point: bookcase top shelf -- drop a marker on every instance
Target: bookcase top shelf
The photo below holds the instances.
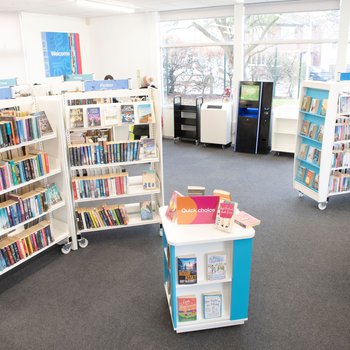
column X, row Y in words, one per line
column 178, row 235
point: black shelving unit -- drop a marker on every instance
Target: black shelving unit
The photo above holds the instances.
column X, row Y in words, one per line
column 187, row 120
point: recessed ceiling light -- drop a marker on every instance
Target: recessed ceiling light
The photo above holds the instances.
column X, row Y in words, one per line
column 104, row 6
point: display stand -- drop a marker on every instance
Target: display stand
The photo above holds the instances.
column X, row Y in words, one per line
column 181, row 240
column 317, row 164
column 284, row 134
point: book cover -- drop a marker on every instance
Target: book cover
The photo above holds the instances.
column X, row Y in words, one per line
column 187, row 308
column 310, row 154
column 187, row 269
column 110, row 115
column 149, row 148
column 216, row 266
column 315, row 102
column 309, row 178
column 344, row 104
column 320, row 132
column 127, row 113
column 44, row 124
column 313, row 130
column 224, row 216
column 76, row 117
column 212, row 305
column 305, row 128
column 146, row 210
column 144, row 113
column 171, row 210
column 305, row 106
column 316, row 181
column 197, row 209
column 324, row 104
column 317, row 157
column 93, row 116
column 303, row 151
column 196, row 190
column 301, row 173
column 149, row 181
column 246, row 220
column 222, row 194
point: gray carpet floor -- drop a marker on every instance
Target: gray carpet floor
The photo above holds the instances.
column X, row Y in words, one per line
column 110, row 295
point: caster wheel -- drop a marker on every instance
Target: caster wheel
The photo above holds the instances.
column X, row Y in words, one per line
column 223, row 147
column 197, row 142
column 322, row 205
column 161, row 232
column 204, row 145
column 83, row 243
column 66, row 249
column 301, row 195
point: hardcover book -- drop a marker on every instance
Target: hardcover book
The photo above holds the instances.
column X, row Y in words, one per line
column 246, row 220
column 44, row 124
column 216, row 266
column 146, row 210
column 224, row 216
column 187, row 269
column 93, row 116
column 212, row 305
column 76, row 116
column 144, row 113
column 305, row 128
column 127, row 113
column 187, row 308
column 314, row 105
column 171, row 210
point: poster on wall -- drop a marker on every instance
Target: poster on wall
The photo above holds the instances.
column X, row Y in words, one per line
column 61, row 53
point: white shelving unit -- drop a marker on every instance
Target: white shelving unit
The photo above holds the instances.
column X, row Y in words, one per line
column 319, row 187
column 120, row 133
column 284, row 134
column 199, row 240
column 60, row 214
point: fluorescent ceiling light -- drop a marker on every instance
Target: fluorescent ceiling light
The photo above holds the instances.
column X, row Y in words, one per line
column 104, row 6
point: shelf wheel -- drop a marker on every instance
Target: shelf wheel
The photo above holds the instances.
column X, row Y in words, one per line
column 301, row 194
column 83, row 242
column 204, row 145
column 223, row 146
column 65, row 249
column 197, row 142
column 322, row 205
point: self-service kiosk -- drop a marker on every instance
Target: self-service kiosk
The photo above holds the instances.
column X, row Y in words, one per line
column 254, row 115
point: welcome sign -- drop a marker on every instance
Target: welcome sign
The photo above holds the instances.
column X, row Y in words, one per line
column 197, row 209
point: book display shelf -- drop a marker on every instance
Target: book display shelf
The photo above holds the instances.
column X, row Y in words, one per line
column 217, row 294
column 113, row 176
column 35, row 210
column 322, row 154
column 284, row 134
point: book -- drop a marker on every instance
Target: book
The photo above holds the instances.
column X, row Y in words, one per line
column 144, row 114
column 305, row 106
column 171, row 210
column 323, row 110
column 224, row 216
column 315, row 102
column 110, row 115
column 317, row 157
column 196, row 190
column 212, row 305
column 305, row 128
column 76, row 117
column 309, row 177
column 216, row 266
column 222, row 194
column 149, row 148
column 344, row 104
column 44, row 124
column 310, row 154
column 187, row 308
column 316, row 181
column 93, row 116
column 187, row 269
column 303, row 151
column 149, row 180
column 319, row 136
column 246, row 220
column 146, row 210
column 313, row 130
column 301, row 173
column 127, row 113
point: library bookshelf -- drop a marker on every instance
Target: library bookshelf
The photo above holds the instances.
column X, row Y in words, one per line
column 107, row 163
column 284, row 133
column 200, row 240
column 321, row 165
column 20, row 220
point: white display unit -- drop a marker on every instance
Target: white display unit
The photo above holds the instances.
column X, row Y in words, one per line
column 60, row 214
column 284, row 133
column 319, row 186
column 199, row 240
column 119, row 132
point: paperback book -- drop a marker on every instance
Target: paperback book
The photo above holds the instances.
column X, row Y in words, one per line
column 76, row 116
column 344, row 104
column 149, row 148
column 320, row 132
column 110, row 115
column 149, row 181
column 224, row 216
column 314, row 105
column 303, row 151
column 224, row 195
column 93, row 116
column 171, row 210
column 309, row 178
column 305, row 128
column 301, row 173
column 144, row 113
column 216, row 266
column 187, row 308
column 246, row 220
column 44, row 124
column 212, row 305
column 127, row 113
column 305, row 106
column 323, row 110
column 187, row 269
column 313, row 130
column 146, row 210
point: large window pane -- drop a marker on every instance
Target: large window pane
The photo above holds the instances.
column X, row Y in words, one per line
column 292, row 26
column 197, row 71
column 197, row 31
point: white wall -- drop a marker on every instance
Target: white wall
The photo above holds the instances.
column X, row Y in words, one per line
column 11, row 51
column 121, row 45
column 33, row 24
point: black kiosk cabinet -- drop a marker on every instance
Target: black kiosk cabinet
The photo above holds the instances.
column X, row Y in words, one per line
column 254, row 114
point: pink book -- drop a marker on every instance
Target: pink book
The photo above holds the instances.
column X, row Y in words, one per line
column 171, row 210
column 246, row 220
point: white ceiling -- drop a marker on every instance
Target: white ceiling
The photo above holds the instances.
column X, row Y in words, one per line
column 70, row 8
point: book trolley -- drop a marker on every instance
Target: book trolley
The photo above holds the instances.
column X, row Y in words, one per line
column 203, row 239
column 322, row 153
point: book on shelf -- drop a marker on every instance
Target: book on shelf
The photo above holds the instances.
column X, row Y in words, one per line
column 344, row 104
column 212, row 304
column 76, row 118
column 144, row 112
column 310, row 154
column 315, row 103
column 323, row 110
column 187, row 308
column 309, row 177
column 313, row 130
column 316, row 157
column 246, row 220
column 53, row 194
column 196, row 190
column 301, row 172
column 110, row 115
column 149, row 148
column 127, row 113
column 222, row 194
column 319, row 136
column 187, row 269
column 171, row 209
column 146, row 212
column 305, row 128
column 303, row 151
column 315, row 184
column 225, row 215
column 149, row 180
column 305, row 106
column 216, row 266
column 44, row 123
column 93, row 116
